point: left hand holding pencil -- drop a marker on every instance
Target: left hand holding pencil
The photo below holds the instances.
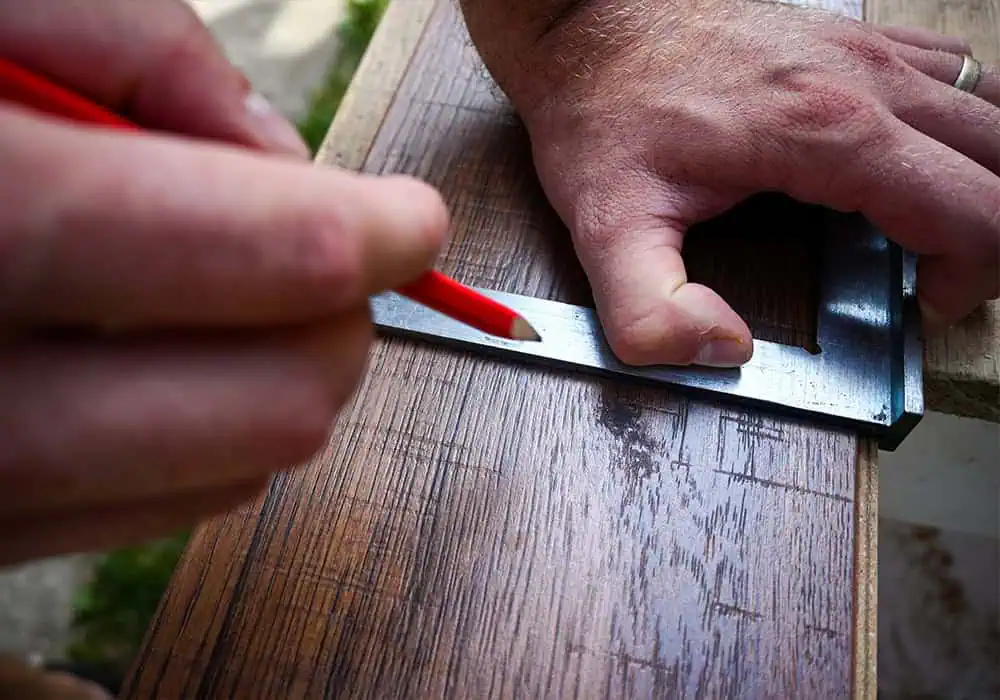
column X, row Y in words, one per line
column 215, row 283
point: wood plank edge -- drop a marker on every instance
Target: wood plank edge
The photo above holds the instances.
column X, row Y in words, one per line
column 963, row 396
column 865, row 648
column 373, row 87
column 213, row 529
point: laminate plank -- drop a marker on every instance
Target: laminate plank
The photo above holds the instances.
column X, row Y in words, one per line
column 477, row 528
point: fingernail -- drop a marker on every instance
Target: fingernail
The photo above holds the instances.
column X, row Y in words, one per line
column 723, row 353
column 272, row 129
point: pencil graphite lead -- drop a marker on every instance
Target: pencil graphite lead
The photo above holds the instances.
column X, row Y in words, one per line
column 522, row 330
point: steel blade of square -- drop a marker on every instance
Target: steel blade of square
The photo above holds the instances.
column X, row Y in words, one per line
column 866, row 376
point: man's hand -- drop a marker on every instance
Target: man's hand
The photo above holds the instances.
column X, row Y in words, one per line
column 181, row 313
column 647, row 118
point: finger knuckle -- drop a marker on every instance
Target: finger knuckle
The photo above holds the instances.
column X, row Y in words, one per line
column 307, row 429
column 872, row 50
column 831, row 114
column 336, row 357
column 308, row 438
column 632, row 343
column 835, row 128
column 650, row 338
column 837, row 110
column 183, row 33
column 324, row 259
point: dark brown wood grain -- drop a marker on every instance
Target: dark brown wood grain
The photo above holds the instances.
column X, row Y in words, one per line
column 481, row 529
column 763, row 258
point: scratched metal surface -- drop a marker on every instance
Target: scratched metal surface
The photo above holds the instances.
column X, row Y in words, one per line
column 867, row 373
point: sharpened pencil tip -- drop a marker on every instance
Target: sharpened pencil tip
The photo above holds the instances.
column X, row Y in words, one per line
column 522, row 330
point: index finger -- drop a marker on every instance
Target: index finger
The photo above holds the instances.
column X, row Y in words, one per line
column 154, row 61
column 143, row 230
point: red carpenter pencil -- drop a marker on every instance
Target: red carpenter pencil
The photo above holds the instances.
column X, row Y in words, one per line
column 23, row 87
column 463, row 304
column 433, row 289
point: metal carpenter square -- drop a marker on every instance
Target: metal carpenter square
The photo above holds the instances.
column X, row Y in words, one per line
column 867, row 375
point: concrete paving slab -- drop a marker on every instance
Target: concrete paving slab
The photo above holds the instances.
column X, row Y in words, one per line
column 36, row 605
column 283, row 46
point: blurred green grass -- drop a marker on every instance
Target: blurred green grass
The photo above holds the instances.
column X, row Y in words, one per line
column 113, row 611
column 356, row 31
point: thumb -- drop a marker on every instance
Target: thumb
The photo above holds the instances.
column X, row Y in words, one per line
column 153, row 61
column 651, row 314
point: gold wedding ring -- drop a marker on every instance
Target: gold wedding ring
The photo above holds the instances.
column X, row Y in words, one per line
column 968, row 77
